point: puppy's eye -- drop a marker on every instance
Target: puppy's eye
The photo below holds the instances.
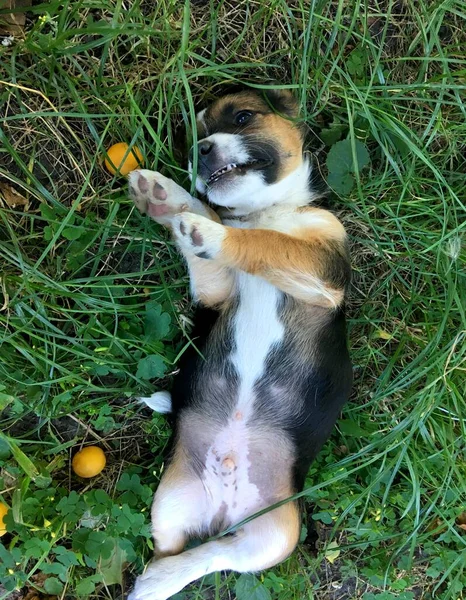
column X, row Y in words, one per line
column 243, row 117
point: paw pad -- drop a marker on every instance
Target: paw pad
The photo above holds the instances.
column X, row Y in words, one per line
column 143, row 184
column 158, row 192
column 196, row 237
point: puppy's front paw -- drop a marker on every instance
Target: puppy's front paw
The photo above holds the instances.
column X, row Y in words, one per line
column 198, row 235
column 158, row 196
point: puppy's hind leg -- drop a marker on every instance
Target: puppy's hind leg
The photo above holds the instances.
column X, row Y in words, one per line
column 180, row 507
column 260, row 544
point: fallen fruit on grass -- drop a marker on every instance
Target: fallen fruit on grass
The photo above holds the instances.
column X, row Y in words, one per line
column 3, row 511
column 120, row 159
column 89, row 461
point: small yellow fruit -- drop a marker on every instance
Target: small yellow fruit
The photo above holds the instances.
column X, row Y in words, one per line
column 89, row 461
column 116, row 160
column 3, row 511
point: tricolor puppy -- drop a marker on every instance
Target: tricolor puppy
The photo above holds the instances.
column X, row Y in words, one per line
column 255, row 405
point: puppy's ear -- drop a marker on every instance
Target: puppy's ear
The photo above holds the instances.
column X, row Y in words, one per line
column 282, row 102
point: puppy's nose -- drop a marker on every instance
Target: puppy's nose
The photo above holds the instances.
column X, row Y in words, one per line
column 205, row 147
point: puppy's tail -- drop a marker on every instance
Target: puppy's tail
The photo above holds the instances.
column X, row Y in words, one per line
column 161, row 402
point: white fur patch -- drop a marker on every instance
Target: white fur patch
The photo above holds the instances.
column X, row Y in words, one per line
column 196, row 234
column 160, row 402
column 250, row 193
column 257, row 330
column 230, row 149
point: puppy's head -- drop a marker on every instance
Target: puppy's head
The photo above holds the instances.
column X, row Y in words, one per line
column 247, row 142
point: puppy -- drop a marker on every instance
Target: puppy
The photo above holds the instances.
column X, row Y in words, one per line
column 257, row 400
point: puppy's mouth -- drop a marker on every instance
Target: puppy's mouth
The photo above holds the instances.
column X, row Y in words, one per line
column 255, row 164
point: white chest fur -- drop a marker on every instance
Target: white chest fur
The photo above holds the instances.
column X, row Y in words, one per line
column 257, row 330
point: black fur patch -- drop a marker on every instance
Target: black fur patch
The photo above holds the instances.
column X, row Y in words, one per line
column 203, row 255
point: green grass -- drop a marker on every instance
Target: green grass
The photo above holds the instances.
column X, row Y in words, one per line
column 95, row 308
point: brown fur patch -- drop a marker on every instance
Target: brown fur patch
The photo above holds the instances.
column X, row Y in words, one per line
column 246, row 100
column 303, row 268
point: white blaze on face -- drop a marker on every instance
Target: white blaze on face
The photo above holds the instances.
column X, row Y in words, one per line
column 229, row 150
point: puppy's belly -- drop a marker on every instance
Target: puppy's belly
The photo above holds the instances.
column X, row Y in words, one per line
column 246, row 469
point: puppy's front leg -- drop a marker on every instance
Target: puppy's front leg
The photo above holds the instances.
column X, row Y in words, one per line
column 313, row 267
column 162, row 199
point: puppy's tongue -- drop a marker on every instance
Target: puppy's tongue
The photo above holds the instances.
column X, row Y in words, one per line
column 157, row 210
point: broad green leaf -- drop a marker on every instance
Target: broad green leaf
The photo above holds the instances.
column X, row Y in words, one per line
column 35, row 548
column 48, row 233
column 323, row 516
column 156, row 323
column 47, row 212
column 87, row 585
column 128, row 549
column 99, row 545
column 150, row 367
column 71, row 507
column 130, row 482
column 5, row 451
column 5, row 400
column 340, row 158
column 341, row 183
column 349, row 427
column 248, row 587
column 432, row 572
column 66, row 557
column 332, row 134
column 55, row 568
column 73, row 233
column 53, row 586
column 6, row 558
column 127, row 520
column 79, row 539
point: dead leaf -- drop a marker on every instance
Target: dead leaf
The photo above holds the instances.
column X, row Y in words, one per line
column 11, row 196
column 383, row 335
column 461, row 521
column 332, row 552
column 13, row 22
